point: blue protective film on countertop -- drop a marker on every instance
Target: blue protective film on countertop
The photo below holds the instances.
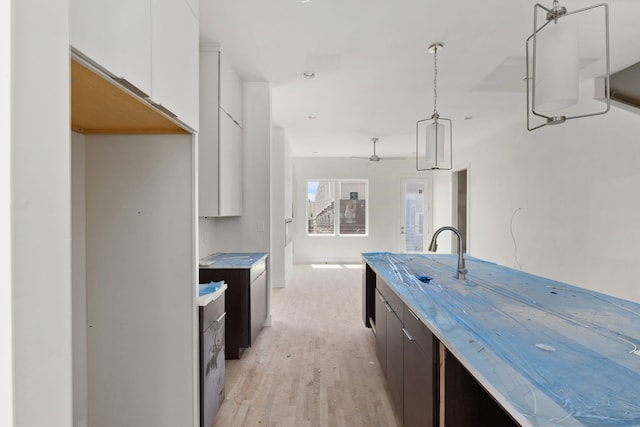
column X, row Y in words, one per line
column 549, row 352
column 207, row 288
column 232, row 260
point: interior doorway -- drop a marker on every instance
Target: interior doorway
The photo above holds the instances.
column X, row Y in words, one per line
column 415, row 215
column 460, row 209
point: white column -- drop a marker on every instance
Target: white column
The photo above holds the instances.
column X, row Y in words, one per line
column 41, row 214
column 6, row 343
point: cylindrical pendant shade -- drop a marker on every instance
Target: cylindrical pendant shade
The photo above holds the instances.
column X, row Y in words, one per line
column 556, row 73
column 435, row 143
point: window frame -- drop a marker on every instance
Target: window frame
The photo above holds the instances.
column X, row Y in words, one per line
column 337, row 188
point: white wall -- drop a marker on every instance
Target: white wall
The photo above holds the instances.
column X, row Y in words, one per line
column 277, row 251
column 41, row 212
column 141, row 276
column 384, row 209
column 79, row 279
column 570, row 194
column 288, row 208
column 6, row 321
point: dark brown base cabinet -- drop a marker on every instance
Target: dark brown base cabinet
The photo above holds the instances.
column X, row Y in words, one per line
column 467, row 402
column 409, row 369
column 245, row 304
column 409, row 357
column 420, row 373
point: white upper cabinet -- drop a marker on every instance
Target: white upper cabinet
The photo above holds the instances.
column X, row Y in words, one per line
column 115, row 34
column 231, row 91
column 174, row 55
column 231, row 165
column 152, row 44
column 220, row 139
column 195, row 7
column 208, row 156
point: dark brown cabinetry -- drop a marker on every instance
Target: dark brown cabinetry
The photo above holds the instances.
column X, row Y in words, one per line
column 467, row 402
column 246, row 303
column 420, row 373
column 394, row 314
column 410, row 358
column 380, row 329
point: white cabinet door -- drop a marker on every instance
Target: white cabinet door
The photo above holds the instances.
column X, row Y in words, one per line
column 231, row 92
column 174, row 59
column 208, row 135
column 116, row 34
column 230, row 175
column 195, row 7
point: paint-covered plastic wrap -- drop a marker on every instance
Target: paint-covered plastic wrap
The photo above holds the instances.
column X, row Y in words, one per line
column 232, row 260
column 550, row 353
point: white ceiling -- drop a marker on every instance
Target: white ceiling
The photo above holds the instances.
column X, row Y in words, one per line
column 375, row 77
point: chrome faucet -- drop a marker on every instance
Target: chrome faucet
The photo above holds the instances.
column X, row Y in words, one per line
column 462, row 270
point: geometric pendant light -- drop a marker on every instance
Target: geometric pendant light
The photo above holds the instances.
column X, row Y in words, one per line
column 553, row 63
column 433, row 135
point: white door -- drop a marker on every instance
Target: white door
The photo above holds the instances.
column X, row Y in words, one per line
column 415, row 214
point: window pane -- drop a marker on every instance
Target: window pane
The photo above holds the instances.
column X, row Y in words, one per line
column 414, row 216
column 353, row 207
column 321, row 207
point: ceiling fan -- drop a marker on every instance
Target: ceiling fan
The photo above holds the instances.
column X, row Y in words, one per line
column 374, row 157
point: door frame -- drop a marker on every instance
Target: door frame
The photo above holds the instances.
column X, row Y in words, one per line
column 428, row 217
column 454, row 206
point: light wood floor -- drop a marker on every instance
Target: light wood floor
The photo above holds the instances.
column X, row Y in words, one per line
column 316, row 365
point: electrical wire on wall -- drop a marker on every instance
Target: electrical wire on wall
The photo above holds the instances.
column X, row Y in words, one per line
column 513, row 236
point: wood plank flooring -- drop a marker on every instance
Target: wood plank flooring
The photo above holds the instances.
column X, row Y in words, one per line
column 316, row 365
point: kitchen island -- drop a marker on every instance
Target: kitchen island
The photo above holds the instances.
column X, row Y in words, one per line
column 537, row 351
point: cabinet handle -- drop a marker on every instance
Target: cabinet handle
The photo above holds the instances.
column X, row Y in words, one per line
column 130, row 87
column 382, row 298
column 219, row 319
column 407, row 334
column 389, row 309
column 413, row 314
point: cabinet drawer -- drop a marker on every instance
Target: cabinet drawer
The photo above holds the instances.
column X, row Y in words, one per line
column 394, row 301
column 257, row 270
column 420, row 333
column 211, row 312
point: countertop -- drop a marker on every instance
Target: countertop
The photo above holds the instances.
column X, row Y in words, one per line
column 232, row 259
column 550, row 353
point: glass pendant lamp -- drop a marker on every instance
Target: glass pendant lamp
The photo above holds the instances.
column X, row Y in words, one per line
column 433, row 135
column 553, row 64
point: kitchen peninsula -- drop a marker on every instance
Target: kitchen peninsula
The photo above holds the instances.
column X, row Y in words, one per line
column 511, row 347
column 246, row 297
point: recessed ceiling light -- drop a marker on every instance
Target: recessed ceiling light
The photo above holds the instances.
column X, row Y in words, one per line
column 468, row 118
column 304, row 1
column 312, row 117
column 309, row 75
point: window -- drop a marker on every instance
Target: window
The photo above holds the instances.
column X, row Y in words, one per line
column 350, row 199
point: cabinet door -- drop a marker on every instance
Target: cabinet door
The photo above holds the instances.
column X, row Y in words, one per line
column 395, row 361
column 174, row 65
column 258, row 305
column 115, row 34
column 230, row 175
column 419, row 384
column 208, row 136
column 231, row 90
column 381, row 331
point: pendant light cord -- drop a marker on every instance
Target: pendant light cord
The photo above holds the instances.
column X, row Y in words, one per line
column 435, row 82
